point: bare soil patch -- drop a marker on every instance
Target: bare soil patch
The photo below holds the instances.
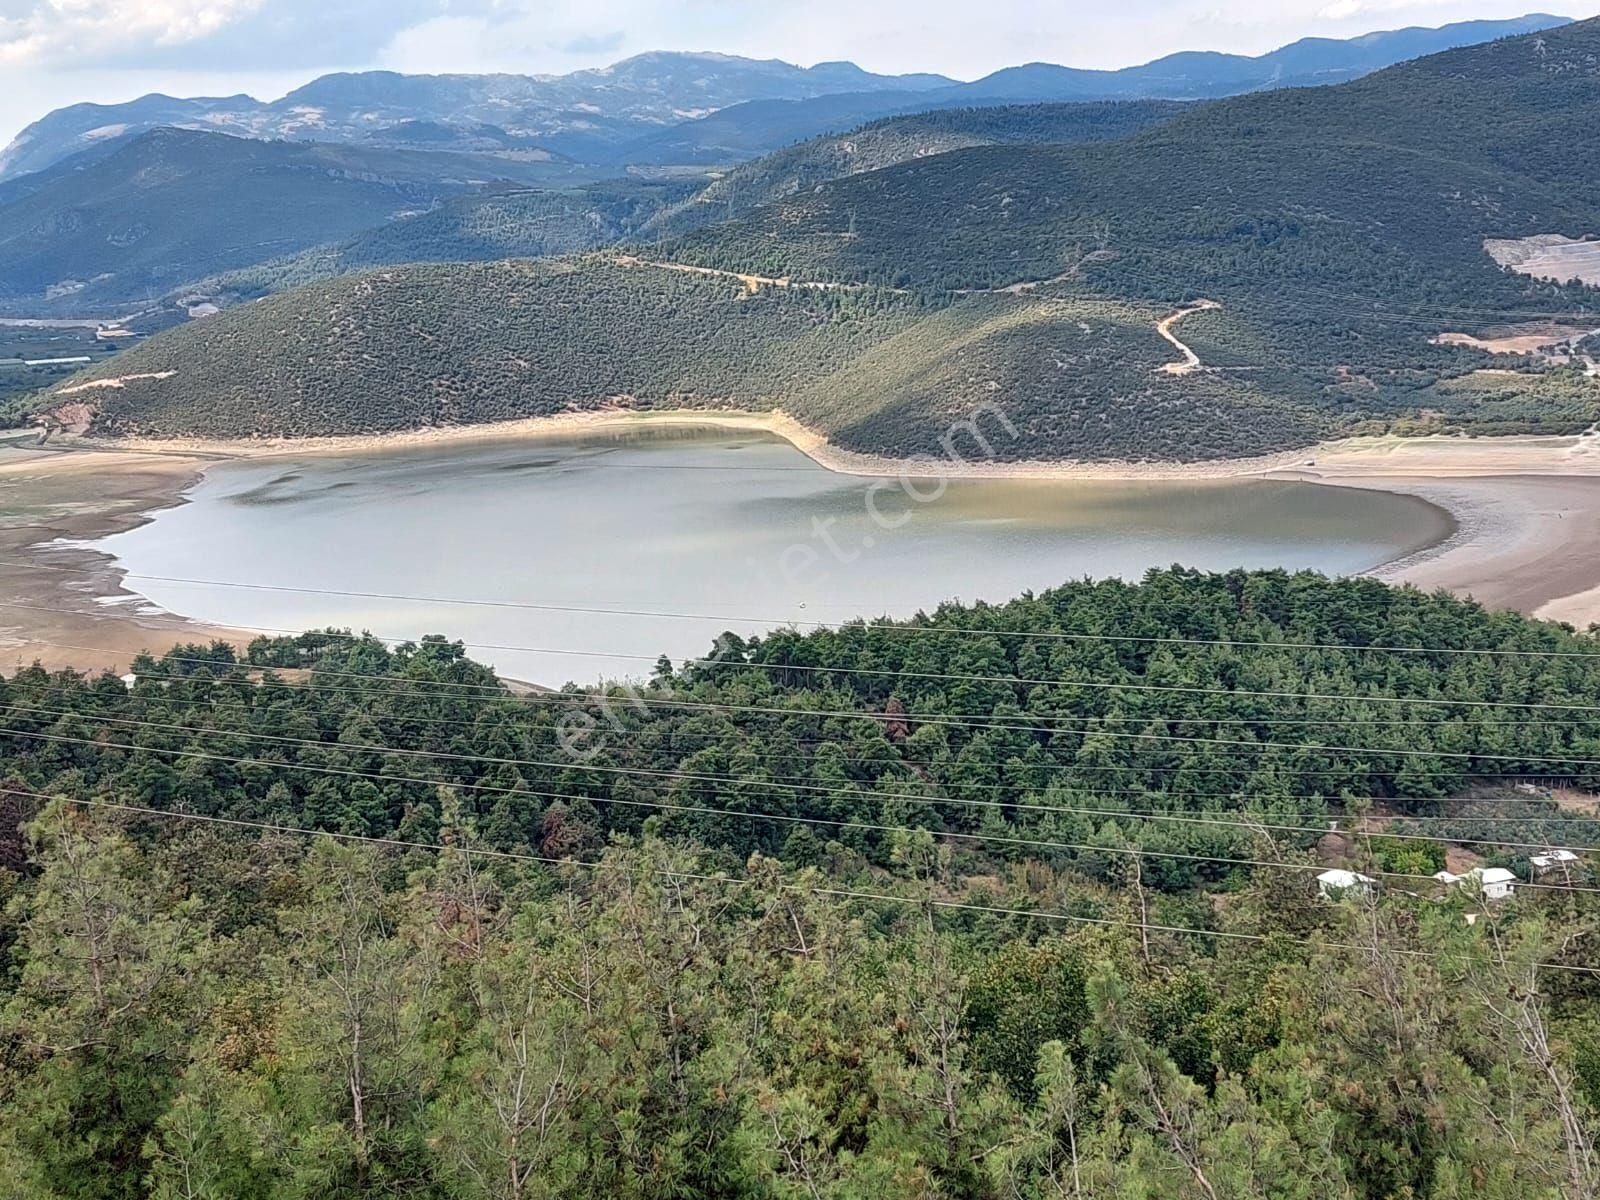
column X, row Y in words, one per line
column 1518, row 339
column 1548, row 256
column 116, row 383
column 83, row 617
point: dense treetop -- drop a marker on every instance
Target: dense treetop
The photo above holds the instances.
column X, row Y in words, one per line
column 885, row 143
column 1050, row 717
column 1003, row 901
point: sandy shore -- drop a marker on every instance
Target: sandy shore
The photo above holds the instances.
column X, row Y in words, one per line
column 810, row 443
column 82, row 616
column 1527, row 511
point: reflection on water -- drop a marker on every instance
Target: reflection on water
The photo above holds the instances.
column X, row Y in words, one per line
column 741, row 530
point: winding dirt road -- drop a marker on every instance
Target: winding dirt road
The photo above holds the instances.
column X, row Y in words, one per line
column 1191, row 360
column 752, row 283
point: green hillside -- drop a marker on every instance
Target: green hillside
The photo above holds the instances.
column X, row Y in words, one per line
column 1340, row 230
column 877, row 371
column 478, row 228
column 1439, row 136
column 551, row 222
column 894, row 140
column 173, row 205
column 435, row 345
column 1333, row 201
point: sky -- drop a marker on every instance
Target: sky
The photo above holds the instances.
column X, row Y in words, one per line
column 58, row 52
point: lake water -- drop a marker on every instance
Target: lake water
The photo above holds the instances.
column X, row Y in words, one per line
column 740, row 531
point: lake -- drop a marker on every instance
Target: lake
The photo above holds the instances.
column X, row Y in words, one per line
column 693, row 531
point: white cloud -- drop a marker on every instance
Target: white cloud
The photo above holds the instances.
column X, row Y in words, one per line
column 442, row 45
column 1349, row 10
column 51, row 32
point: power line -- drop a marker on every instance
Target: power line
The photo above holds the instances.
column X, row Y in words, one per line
column 1051, row 768
column 1090, row 731
column 889, row 626
column 666, row 806
column 967, row 721
column 671, row 873
column 944, row 719
column 802, row 668
column 779, row 818
column 1088, row 685
column 594, row 696
column 715, row 738
column 812, row 789
column 964, row 721
column 900, row 762
column 671, row 776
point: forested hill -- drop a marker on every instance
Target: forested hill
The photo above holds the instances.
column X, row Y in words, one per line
column 1388, row 184
column 895, row 140
column 996, row 902
column 528, row 223
column 420, row 346
column 481, row 227
column 165, row 207
column 1340, row 230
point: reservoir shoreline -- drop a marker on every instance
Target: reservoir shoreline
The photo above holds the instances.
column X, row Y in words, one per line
column 79, row 613
column 1526, row 513
column 1381, row 456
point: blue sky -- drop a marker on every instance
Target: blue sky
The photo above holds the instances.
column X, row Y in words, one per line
column 55, row 52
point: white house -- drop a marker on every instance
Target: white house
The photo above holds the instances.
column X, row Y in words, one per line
column 1496, row 883
column 1554, row 860
column 1336, row 883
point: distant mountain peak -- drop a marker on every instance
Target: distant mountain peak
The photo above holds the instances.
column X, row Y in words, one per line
column 590, row 115
column 1210, row 74
column 671, row 56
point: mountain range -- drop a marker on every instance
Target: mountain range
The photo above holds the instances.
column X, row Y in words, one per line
column 666, row 108
column 893, row 140
column 1192, row 75
column 1237, row 277
column 535, row 223
column 588, row 110
column 744, row 131
column 242, row 198
column 164, row 207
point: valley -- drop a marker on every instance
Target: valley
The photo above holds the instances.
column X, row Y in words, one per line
column 873, row 295
column 692, row 625
column 1512, row 522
